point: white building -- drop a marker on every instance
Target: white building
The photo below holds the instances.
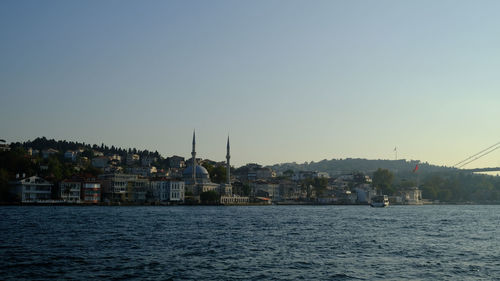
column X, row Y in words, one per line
column 364, row 193
column 165, row 190
column 32, row 189
column 412, row 196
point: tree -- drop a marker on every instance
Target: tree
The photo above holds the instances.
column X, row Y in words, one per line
column 217, row 173
column 4, row 185
column 359, row 178
column 89, row 169
column 246, row 190
column 209, row 197
column 55, row 168
column 288, row 173
column 382, row 180
column 318, row 185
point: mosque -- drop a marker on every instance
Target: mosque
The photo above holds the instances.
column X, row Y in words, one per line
column 197, row 180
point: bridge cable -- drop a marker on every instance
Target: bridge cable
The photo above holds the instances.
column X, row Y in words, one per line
column 478, row 156
column 470, row 157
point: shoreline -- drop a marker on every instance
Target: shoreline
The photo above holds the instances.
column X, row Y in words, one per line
column 118, row 204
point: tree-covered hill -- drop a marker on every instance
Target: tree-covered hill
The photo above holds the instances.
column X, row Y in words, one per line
column 349, row 165
column 42, row 143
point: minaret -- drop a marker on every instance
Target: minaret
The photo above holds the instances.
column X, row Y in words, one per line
column 193, row 155
column 228, row 190
column 228, row 166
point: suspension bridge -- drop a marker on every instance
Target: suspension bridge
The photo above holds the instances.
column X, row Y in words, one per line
column 460, row 165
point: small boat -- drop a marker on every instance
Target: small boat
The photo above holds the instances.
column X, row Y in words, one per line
column 380, row 201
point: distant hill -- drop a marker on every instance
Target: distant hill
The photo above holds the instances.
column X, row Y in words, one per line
column 344, row 166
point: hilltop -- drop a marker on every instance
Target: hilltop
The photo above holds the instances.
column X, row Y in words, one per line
column 344, row 166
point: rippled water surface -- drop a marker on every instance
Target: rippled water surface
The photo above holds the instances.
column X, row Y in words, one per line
column 251, row 243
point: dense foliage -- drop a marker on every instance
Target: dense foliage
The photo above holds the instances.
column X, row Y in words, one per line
column 461, row 187
column 217, row 173
column 342, row 166
column 209, row 197
column 382, row 180
column 63, row 145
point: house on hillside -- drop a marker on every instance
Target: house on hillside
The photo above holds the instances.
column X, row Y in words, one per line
column 46, row 153
column 70, row 155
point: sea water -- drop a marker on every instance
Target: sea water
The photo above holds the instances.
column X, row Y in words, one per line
column 434, row 242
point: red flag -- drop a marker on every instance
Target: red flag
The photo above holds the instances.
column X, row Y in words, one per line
column 416, row 168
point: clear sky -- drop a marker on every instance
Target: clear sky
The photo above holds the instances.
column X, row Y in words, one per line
column 287, row 80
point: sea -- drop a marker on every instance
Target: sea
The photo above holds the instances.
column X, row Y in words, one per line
column 431, row 242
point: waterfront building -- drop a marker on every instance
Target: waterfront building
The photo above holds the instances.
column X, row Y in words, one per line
column 263, row 188
column 139, row 190
column 123, row 188
column 411, row 196
column 91, row 192
column 31, row 189
column 364, row 193
column 167, row 190
column 290, row 190
column 70, row 191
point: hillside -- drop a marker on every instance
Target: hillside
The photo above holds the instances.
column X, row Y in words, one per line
column 343, row 166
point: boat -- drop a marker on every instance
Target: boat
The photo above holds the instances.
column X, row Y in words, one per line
column 380, row 201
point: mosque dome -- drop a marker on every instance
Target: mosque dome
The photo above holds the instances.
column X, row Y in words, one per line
column 201, row 172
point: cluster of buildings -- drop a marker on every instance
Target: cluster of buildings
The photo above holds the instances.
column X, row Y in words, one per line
column 142, row 183
column 351, row 188
column 139, row 185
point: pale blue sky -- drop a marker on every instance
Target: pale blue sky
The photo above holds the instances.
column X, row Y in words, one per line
column 288, row 80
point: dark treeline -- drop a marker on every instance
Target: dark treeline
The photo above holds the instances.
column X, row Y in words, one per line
column 42, row 143
column 461, row 187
